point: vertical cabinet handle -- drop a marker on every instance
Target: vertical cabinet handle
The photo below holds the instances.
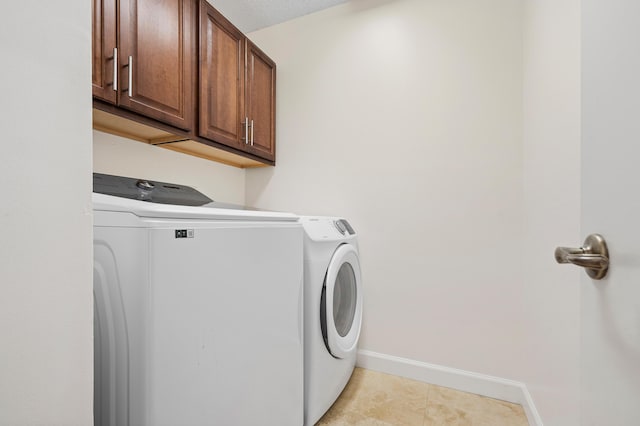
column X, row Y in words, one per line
column 115, row 69
column 130, row 76
column 251, row 132
column 246, row 130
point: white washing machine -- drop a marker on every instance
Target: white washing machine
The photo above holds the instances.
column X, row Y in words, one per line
column 198, row 310
column 333, row 311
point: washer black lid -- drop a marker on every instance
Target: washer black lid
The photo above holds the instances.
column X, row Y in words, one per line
column 147, row 190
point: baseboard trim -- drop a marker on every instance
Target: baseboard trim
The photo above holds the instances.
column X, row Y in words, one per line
column 481, row 384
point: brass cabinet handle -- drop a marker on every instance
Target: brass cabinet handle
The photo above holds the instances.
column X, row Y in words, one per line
column 593, row 256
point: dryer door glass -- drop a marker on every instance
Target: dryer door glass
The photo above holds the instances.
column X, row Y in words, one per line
column 344, row 299
column 341, row 304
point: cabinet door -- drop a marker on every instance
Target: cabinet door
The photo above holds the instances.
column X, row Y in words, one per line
column 104, row 56
column 157, row 59
column 222, row 109
column 261, row 100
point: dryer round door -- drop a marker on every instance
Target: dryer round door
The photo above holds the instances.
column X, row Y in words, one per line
column 342, row 302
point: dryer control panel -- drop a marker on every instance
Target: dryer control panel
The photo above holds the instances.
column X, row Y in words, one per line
column 323, row 228
column 343, row 227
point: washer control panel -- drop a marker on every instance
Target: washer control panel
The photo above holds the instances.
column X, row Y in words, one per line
column 146, row 190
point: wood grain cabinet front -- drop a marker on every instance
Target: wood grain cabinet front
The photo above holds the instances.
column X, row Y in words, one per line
column 261, row 102
column 237, row 87
column 152, row 69
column 104, row 71
column 181, row 65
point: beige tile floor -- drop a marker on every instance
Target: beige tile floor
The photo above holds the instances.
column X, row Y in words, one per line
column 377, row 399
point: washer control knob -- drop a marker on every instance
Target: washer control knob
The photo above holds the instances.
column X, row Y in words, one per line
column 145, row 185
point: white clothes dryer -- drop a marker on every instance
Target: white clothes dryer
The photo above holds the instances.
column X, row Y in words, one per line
column 333, row 311
column 198, row 310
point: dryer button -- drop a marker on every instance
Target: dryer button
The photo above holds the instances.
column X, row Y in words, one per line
column 341, row 228
column 344, row 227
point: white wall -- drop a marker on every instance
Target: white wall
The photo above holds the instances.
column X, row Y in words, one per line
column 119, row 156
column 406, row 117
column 46, row 369
column 552, row 206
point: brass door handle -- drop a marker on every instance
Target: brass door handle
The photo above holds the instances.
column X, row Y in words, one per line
column 593, row 256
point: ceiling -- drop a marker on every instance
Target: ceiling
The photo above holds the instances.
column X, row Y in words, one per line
column 251, row 15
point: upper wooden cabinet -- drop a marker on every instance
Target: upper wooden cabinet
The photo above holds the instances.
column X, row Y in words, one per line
column 155, row 57
column 104, row 49
column 261, row 101
column 182, row 67
column 237, row 87
column 222, row 52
